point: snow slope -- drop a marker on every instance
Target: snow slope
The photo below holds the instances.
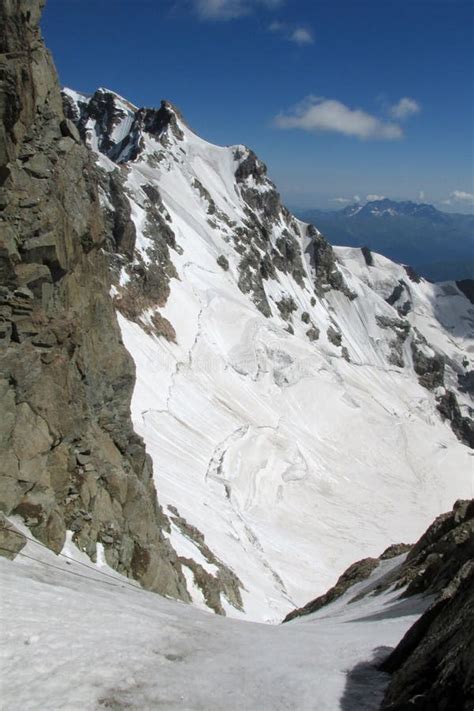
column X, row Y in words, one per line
column 74, row 642
column 294, row 457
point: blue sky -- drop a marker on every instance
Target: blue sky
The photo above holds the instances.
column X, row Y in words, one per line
column 340, row 98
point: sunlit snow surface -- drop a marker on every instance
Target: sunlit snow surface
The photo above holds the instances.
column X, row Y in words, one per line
column 95, row 642
column 291, row 461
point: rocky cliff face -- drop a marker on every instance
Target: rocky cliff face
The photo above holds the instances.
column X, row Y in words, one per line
column 433, row 665
column 69, row 457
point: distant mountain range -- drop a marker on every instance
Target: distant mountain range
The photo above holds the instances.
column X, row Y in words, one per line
column 438, row 245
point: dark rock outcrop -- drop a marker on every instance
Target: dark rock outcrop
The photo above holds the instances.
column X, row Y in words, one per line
column 463, row 427
column 69, row 457
column 467, row 288
column 433, row 665
column 354, row 574
column 323, row 261
column 368, row 257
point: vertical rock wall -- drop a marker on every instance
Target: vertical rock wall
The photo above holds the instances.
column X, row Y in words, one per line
column 69, row 458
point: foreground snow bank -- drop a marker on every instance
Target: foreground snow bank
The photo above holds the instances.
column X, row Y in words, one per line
column 74, row 642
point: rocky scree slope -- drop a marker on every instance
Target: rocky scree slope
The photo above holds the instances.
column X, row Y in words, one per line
column 432, row 667
column 288, row 392
column 69, row 457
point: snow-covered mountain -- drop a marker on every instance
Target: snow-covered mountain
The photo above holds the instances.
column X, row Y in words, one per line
column 393, row 208
column 437, row 244
column 304, row 406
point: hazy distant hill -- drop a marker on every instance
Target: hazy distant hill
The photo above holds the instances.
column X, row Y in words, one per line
column 437, row 244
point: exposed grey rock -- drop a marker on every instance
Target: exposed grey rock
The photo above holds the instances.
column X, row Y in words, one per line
column 334, row 336
column 323, row 261
column 286, row 307
column 223, row 582
column 463, row 427
column 313, row 333
column 433, row 665
column 430, row 369
column 354, row 574
column 65, row 378
column 223, row 262
column 12, row 541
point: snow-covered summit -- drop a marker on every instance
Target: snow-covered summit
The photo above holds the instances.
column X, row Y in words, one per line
column 304, row 406
column 391, row 208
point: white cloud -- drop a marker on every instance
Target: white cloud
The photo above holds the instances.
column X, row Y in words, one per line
column 344, row 200
column 230, row 9
column 340, row 200
column 421, row 195
column 276, row 26
column 461, row 196
column 301, row 35
column 320, row 114
column 404, row 108
column 374, row 198
column 298, row 35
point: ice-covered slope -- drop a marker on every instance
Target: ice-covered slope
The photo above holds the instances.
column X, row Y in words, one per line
column 112, row 645
column 288, row 394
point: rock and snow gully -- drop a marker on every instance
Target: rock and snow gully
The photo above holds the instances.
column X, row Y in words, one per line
column 168, row 327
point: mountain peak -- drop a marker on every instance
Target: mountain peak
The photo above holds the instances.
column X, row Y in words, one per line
column 385, row 207
column 114, row 127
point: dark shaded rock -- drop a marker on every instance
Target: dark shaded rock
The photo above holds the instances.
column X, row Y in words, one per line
column 433, row 665
column 334, row 336
column 430, row 369
column 367, row 254
column 323, row 261
column 122, row 226
column 313, row 333
column 396, row 293
column 395, row 550
column 411, row 274
column 251, row 166
column 463, row 427
column 286, row 306
column 345, row 354
column 466, row 382
column 223, row 262
column 467, row 288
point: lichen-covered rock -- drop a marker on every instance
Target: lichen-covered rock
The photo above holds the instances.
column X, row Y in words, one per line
column 65, row 378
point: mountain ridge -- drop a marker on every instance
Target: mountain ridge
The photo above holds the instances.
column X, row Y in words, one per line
column 215, row 243
column 438, row 245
